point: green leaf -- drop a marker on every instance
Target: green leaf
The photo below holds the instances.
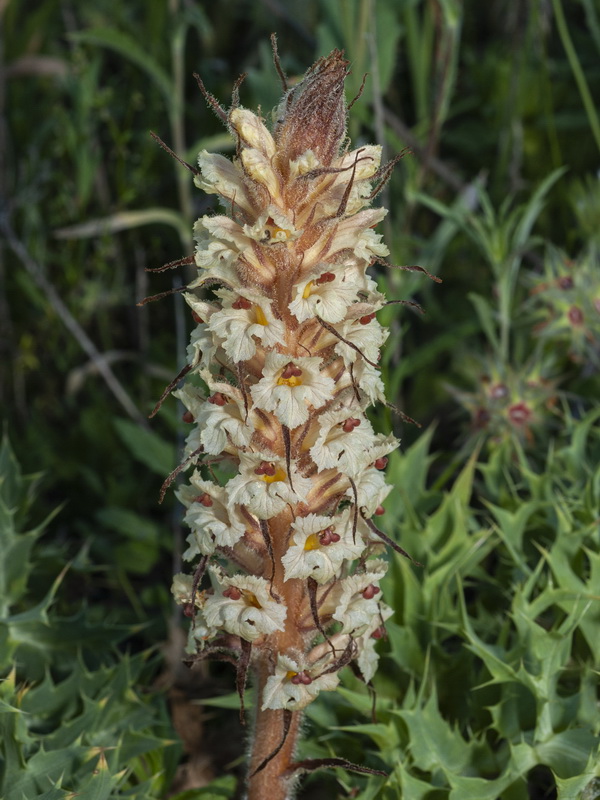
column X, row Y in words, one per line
column 433, row 743
column 568, row 753
column 147, row 447
column 124, row 221
column 216, row 790
column 129, row 48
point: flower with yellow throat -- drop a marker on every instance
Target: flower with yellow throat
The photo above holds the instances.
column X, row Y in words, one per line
column 286, row 351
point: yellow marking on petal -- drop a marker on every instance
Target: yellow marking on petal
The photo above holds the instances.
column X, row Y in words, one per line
column 290, row 674
column 279, row 476
column 307, row 290
column 279, row 234
column 251, row 600
column 273, row 233
column 312, row 542
column 260, row 316
column 293, row 381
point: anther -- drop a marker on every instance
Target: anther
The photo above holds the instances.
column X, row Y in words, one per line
column 380, row 463
column 188, row 609
column 240, row 303
column 265, row 468
column 217, row 399
column 291, row 371
column 326, row 277
column 379, row 633
column 379, row 511
column 370, row 591
column 232, row 592
column 187, row 416
column 326, row 537
column 349, row 425
column 366, row 319
column 204, row 499
column 197, row 318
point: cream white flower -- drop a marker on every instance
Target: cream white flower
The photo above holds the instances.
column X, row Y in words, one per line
column 259, row 167
column 367, row 337
column 294, row 685
column 219, row 427
column 242, row 606
column 368, row 658
column 307, row 162
column 252, row 131
column 358, row 598
column 355, row 234
column 221, row 176
column 289, row 386
column 201, row 349
column 327, row 293
column 319, row 546
column 264, row 486
column 224, row 428
column 272, row 227
column 219, row 240
column 371, row 490
column 344, row 437
column 368, row 379
column 181, row 588
column 246, row 316
column 213, row 520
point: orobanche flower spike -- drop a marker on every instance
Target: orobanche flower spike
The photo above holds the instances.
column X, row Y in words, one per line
column 282, row 366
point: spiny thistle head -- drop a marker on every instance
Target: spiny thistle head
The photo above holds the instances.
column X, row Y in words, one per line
column 282, row 366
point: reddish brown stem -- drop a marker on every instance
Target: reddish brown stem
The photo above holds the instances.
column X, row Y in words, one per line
column 271, row 782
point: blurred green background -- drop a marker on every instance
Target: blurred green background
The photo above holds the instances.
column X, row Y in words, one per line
column 499, row 196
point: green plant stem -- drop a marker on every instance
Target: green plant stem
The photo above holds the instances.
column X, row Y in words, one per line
column 176, row 115
column 578, row 73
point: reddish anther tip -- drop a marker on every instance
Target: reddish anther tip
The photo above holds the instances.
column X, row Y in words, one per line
column 326, row 537
column 232, row 592
column 379, row 511
column 370, row 591
column 380, row 463
column 240, row 303
column 188, row 609
column 291, row 371
column 187, row 416
column 304, row 678
column 379, row 633
column 197, row 318
column 335, row 537
column 205, row 500
column 217, row 399
column 366, row 319
column 265, row 468
column 326, row 277
column 350, row 424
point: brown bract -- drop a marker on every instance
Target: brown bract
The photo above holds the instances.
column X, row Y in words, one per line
column 312, row 115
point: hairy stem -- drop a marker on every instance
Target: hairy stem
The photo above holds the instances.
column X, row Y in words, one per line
column 271, row 782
